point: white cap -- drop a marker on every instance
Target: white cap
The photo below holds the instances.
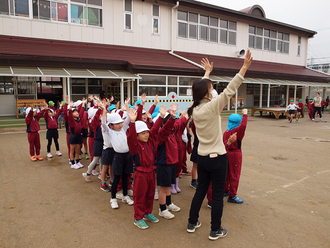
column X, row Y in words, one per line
column 27, row 111
column 157, row 116
column 51, row 110
column 77, row 103
column 141, row 126
column 143, row 111
column 91, row 113
column 114, row 118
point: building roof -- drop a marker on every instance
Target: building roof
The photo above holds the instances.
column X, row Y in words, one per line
column 250, row 18
column 53, row 53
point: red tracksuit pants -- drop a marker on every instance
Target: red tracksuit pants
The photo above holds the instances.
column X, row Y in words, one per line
column 90, row 146
column 34, row 141
column 143, row 193
column 310, row 113
column 67, row 142
column 234, row 171
column 181, row 165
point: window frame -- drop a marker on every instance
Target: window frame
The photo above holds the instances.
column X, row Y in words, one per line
column 128, row 13
column 154, row 17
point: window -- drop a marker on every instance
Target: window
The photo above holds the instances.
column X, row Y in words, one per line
column 155, row 19
column 206, row 28
column 15, row 7
column 128, row 8
column 86, row 12
column 266, row 39
column 6, row 85
column 299, row 44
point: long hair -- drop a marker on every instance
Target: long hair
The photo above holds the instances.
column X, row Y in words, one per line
column 199, row 89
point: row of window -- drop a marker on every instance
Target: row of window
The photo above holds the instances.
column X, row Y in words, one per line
column 267, row 39
column 206, row 28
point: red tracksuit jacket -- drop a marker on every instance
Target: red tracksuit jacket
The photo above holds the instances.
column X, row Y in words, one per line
column 76, row 125
column 240, row 134
column 51, row 123
column 143, row 152
column 139, row 114
column 32, row 123
column 167, row 151
column 95, row 125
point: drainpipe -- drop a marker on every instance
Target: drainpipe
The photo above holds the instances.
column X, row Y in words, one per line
column 173, row 36
column 187, row 60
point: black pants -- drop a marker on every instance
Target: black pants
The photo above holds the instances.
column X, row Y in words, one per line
column 318, row 109
column 115, row 183
column 210, row 170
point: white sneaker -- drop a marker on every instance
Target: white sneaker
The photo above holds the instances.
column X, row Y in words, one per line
column 99, row 177
column 166, row 214
column 80, row 165
column 119, row 195
column 95, row 173
column 130, row 192
column 49, row 155
column 173, row 208
column 70, row 162
column 75, row 166
column 58, row 153
column 114, row 203
column 128, row 200
column 156, row 195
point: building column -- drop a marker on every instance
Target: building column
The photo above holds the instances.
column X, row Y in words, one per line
column 260, row 99
column 295, row 94
column 69, row 89
column 129, row 89
column 268, row 97
column 122, row 91
column 236, row 102
column 132, row 100
column 64, row 87
column 287, row 95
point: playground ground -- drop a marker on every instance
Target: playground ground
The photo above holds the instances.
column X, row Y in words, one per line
column 284, row 183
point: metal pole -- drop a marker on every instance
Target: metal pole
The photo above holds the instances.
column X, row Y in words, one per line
column 69, row 90
column 236, row 102
column 122, row 91
column 295, row 94
column 268, row 97
column 287, row 95
column 260, row 99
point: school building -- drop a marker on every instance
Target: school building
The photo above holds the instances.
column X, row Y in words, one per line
column 53, row 48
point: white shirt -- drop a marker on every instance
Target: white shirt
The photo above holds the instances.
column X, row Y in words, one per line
column 291, row 107
column 185, row 136
column 115, row 139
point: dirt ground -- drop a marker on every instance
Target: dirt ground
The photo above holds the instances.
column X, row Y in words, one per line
column 284, row 183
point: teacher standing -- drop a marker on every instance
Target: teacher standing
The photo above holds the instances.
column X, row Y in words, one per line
column 212, row 158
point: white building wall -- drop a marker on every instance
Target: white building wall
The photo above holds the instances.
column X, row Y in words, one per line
column 113, row 32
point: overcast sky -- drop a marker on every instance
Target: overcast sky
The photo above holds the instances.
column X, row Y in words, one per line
column 312, row 14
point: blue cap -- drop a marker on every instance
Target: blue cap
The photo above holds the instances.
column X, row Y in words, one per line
column 156, row 109
column 233, row 121
column 111, row 107
column 138, row 102
column 154, row 115
column 291, row 100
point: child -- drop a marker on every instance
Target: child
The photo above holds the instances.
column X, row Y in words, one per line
column 84, row 131
column 32, row 123
column 95, row 125
column 310, row 106
column 167, row 157
column 292, row 109
column 235, row 125
column 300, row 109
column 323, row 105
column 141, row 146
column 52, row 132
column 122, row 164
column 75, row 140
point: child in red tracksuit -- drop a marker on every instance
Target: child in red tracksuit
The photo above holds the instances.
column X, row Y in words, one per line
column 167, row 157
column 310, row 106
column 85, row 135
column 141, row 143
column 52, row 132
column 236, row 124
column 76, row 119
column 32, row 122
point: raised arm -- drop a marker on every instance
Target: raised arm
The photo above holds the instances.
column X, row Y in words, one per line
column 166, row 130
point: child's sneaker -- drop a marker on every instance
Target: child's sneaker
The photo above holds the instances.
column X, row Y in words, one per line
column 39, row 158
column 151, row 218
column 192, row 227
column 209, row 204
column 156, row 195
column 33, row 158
column 75, row 166
column 297, row 119
column 86, row 156
column 214, row 235
column 58, row 153
column 105, row 187
column 128, row 200
column 141, row 224
column 95, row 173
column 88, row 178
column 166, row 214
column 99, row 177
column 49, row 155
column 114, row 203
column 130, row 192
column 194, row 184
column 235, row 199
column 173, row 208
column 185, row 172
column 119, row 195
column 80, row 165
column 226, row 193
